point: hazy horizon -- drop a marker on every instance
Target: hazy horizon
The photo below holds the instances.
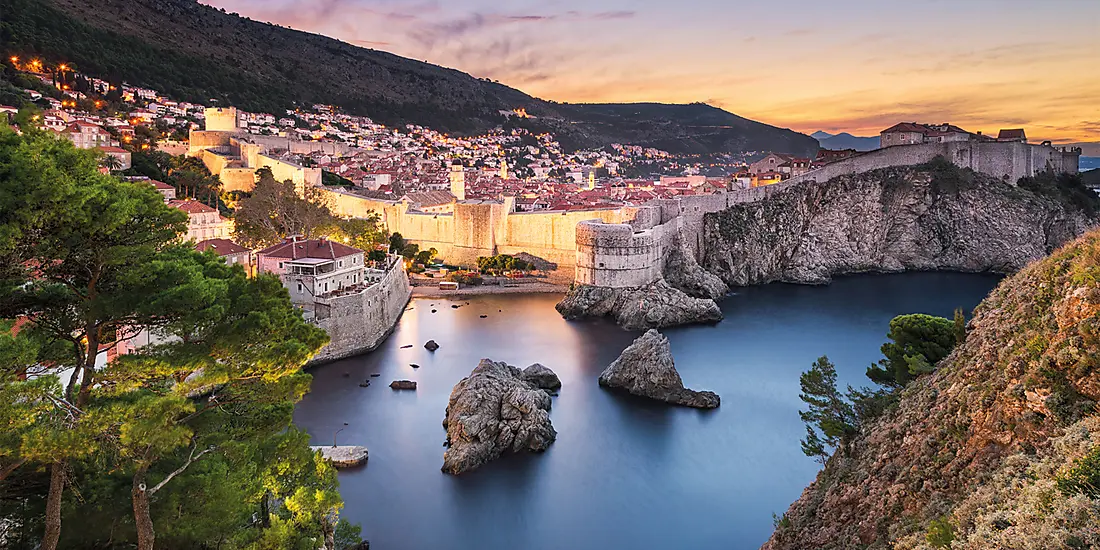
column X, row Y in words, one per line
column 854, row 65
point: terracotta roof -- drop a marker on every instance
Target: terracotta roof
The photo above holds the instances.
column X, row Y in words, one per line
column 222, row 247
column 430, row 198
column 112, row 149
column 312, row 248
column 1016, row 133
column 191, row 206
column 159, row 184
column 906, row 127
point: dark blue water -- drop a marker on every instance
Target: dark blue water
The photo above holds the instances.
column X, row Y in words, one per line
column 1089, row 163
column 624, row 473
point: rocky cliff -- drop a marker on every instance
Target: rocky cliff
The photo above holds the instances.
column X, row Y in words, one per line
column 1000, row 446
column 930, row 217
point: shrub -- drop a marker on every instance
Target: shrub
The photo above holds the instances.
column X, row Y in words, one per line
column 940, row 533
column 1083, row 477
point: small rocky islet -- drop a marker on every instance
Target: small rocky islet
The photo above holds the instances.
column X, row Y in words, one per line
column 646, row 369
column 498, row 409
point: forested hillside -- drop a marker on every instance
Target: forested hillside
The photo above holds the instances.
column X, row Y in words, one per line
column 197, row 53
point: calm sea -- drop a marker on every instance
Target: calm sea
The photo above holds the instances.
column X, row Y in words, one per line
column 624, row 472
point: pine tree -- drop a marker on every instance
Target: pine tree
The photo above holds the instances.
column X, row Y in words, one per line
column 830, row 420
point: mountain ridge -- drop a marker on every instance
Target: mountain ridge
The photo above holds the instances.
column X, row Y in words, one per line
column 195, row 52
column 844, row 140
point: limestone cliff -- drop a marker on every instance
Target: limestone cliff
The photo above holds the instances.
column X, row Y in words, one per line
column 1000, row 446
column 930, row 217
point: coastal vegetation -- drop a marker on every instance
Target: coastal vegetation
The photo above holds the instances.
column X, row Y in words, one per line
column 185, row 442
column 995, row 448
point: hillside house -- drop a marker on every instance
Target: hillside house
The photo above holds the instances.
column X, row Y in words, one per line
column 310, row 268
column 204, row 222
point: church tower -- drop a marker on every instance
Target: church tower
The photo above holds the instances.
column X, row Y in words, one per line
column 503, row 169
column 458, row 180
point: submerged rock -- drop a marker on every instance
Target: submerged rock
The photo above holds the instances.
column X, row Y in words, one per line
column 430, row 345
column 646, row 369
column 657, row 305
column 403, row 384
column 497, row 409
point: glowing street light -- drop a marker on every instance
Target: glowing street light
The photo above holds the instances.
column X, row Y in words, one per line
column 15, row 59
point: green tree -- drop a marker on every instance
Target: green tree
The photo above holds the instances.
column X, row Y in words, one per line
column 397, row 243
column 917, row 343
column 362, row 233
column 70, row 242
column 960, row 326
column 830, row 419
column 275, row 210
column 86, row 261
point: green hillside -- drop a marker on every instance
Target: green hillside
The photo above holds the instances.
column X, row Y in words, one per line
column 197, row 53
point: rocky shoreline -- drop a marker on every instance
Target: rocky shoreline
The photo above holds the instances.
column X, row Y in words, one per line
column 658, row 305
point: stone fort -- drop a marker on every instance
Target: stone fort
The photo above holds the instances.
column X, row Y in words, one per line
column 620, row 247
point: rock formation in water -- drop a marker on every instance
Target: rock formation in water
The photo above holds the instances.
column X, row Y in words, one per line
column 657, row 305
column 403, row 384
column 430, row 345
column 497, row 409
column 996, row 449
column 930, row 217
column 646, row 369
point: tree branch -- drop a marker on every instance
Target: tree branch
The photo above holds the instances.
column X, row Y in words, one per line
column 7, row 470
column 190, row 460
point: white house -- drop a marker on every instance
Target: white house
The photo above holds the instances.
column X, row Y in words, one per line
column 310, row 268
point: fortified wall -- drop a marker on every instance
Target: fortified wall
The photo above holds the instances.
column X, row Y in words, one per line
column 480, row 228
column 632, row 253
column 359, row 320
column 1008, row 161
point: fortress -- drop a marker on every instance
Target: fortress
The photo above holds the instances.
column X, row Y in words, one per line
column 618, row 247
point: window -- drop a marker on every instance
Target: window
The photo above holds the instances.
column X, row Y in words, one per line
column 280, row 265
column 299, row 288
column 326, row 287
column 341, row 263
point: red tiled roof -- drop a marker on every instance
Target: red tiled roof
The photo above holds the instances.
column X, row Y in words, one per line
column 222, row 247
column 112, row 149
column 905, row 127
column 160, row 184
column 312, row 248
column 1015, row 133
column 191, row 207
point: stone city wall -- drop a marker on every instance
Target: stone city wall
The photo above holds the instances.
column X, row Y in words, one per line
column 358, row 323
column 1009, row 161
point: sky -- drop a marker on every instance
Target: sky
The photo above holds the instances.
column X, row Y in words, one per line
column 834, row 65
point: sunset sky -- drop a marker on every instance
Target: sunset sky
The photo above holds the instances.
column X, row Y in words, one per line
column 840, row 65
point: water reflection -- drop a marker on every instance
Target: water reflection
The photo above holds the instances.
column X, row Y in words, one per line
column 624, row 472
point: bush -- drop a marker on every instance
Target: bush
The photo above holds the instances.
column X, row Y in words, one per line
column 940, row 533
column 469, row 279
column 1083, row 477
